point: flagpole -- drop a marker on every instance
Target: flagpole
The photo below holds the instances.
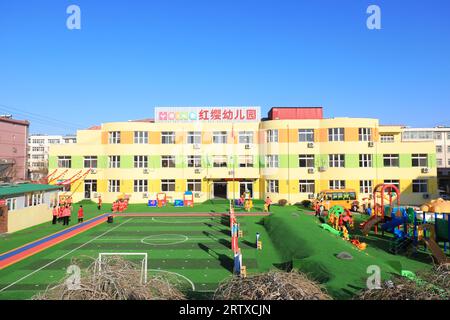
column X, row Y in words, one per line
column 234, row 165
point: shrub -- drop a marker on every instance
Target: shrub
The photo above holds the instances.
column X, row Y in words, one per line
column 282, row 202
column 306, row 203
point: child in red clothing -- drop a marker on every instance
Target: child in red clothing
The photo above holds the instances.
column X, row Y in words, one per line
column 80, row 214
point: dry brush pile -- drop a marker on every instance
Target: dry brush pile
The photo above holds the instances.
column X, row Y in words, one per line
column 433, row 284
column 274, row 285
column 118, row 279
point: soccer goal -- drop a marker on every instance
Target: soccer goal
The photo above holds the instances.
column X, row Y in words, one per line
column 144, row 270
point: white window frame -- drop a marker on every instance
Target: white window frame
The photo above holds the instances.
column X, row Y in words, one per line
column 336, row 160
column 305, row 135
column 336, row 134
column 220, row 161
column 11, row 203
column 336, row 184
column 306, row 186
column 141, row 137
column 422, row 184
column 365, row 134
column 170, row 159
column 220, row 137
column 64, row 162
column 272, row 161
column 140, row 161
column 90, row 162
column 307, row 159
column 246, row 161
column 114, row 185
column 246, row 137
column 194, row 137
column 365, row 186
column 393, row 159
column 167, row 185
column 272, row 135
column 365, row 160
column 114, row 162
column 421, row 159
column 194, row 161
column 140, row 185
column 272, row 186
column 114, row 137
column 194, row 185
column 168, row 137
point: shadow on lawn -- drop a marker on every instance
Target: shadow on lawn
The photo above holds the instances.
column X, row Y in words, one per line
column 223, row 242
column 225, row 261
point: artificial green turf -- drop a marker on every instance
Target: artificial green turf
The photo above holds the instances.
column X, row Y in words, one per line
column 290, row 237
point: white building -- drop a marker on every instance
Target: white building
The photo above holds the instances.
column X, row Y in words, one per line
column 38, row 146
column 441, row 136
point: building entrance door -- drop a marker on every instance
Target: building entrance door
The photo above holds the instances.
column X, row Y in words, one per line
column 89, row 187
column 246, row 186
column 220, row 190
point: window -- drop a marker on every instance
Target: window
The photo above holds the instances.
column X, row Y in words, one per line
column 113, row 185
column 419, row 160
column 194, row 137
column 194, row 161
column 365, row 186
column 11, row 204
column 272, row 186
column 219, row 161
column 336, row 160
column 64, row 161
column 272, row 135
column 114, row 161
column 386, row 138
column 336, row 134
column 194, row 185
column 34, row 199
column 140, row 161
column 114, row 137
column 365, row 160
column 306, row 160
column 420, row 186
column 246, row 161
column 337, row 184
column 140, row 185
column 38, row 149
column 220, row 137
column 167, row 137
column 272, row 161
column 245, row 137
column 141, row 137
column 54, row 141
column 365, row 134
column 168, row 161
column 38, row 141
column 437, row 136
column 306, row 186
column 37, row 156
column 448, row 149
column 306, row 135
column 438, row 149
column 168, row 185
column 394, row 182
column 391, row 160
column 90, row 161
column 439, row 162
column 448, row 136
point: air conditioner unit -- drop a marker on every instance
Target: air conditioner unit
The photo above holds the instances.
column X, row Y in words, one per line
column 197, row 195
column 425, row 170
column 247, row 146
column 426, row 196
column 95, row 195
column 93, row 171
column 145, row 195
column 197, row 171
column 145, row 171
column 196, row 146
column 370, row 144
column 322, row 169
column 310, row 144
column 311, row 196
column 311, row 170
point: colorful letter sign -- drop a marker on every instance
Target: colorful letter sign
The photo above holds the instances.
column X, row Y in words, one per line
column 207, row 114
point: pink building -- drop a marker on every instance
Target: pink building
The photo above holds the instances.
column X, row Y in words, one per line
column 13, row 149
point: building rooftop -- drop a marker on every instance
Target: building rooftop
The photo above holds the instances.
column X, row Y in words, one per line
column 9, row 119
column 21, row 188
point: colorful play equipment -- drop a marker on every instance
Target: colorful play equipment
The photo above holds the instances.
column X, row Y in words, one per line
column 188, row 199
column 248, row 202
column 339, row 222
column 409, row 228
column 161, row 199
column 383, row 194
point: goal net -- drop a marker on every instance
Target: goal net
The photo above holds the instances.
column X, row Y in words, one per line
column 136, row 258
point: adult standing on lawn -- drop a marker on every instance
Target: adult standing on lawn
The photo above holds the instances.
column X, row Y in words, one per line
column 55, row 214
column 99, row 205
column 66, row 215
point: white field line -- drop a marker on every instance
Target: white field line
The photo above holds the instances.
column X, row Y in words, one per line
column 154, row 239
column 59, row 258
column 186, row 278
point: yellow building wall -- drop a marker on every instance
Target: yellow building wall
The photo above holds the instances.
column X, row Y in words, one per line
column 28, row 217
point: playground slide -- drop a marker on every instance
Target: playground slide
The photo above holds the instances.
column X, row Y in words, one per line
column 436, row 251
column 373, row 220
column 331, row 229
column 391, row 225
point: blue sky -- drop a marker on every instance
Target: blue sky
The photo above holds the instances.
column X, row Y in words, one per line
column 130, row 56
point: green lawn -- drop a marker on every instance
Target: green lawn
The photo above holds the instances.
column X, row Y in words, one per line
column 197, row 249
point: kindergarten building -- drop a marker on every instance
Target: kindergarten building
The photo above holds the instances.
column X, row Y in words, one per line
column 220, row 152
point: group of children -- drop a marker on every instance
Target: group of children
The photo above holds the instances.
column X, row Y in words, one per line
column 120, row 205
column 62, row 213
column 247, row 203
